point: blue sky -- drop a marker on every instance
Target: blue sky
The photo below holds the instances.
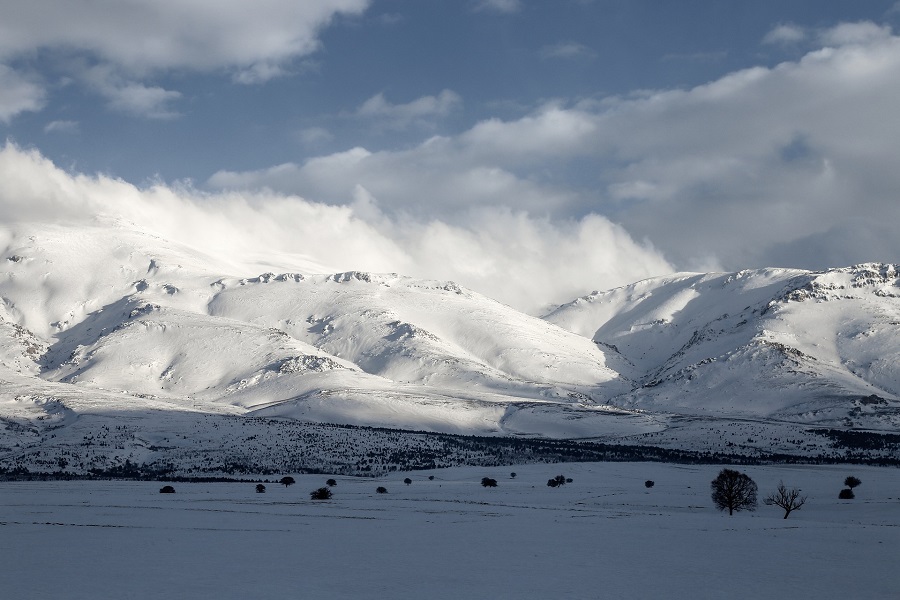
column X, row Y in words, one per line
column 652, row 136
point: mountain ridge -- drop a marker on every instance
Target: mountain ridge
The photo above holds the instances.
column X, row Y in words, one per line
column 106, row 320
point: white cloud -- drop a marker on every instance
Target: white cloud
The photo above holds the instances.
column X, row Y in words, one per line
column 551, row 131
column 130, row 97
column 18, row 94
column 172, row 34
column 439, row 178
column 524, row 261
column 567, row 50
column 420, row 111
column 259, row 73
column 314, row 135
column 61, row 127
column 737, row 172
column 864, row 32
column 500, row 6
column 139, row 39
column 785, row 33
column 137, row 99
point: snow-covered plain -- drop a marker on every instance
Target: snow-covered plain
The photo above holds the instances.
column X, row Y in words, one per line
column 602, row 536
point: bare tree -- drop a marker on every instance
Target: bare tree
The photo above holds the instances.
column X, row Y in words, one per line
column 789, row 500
column 734, row 491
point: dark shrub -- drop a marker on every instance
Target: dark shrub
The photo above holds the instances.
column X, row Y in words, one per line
column 323, row 493
column 167, row 489
column 488, row 482
column 286, row 481
column 568, row 480
column 846, row 494
column 260, row 488
column 513, row 475
column 381, row 489
column 407, row 481
column 558, row 481
column 331, row 483
column 649, row 484
column 431, row 478
column 851, row 482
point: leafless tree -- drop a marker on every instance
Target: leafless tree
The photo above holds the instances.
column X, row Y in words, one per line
column 734, row 491
column 789, row 500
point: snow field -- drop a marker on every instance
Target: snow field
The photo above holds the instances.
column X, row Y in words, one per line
column 602, row 536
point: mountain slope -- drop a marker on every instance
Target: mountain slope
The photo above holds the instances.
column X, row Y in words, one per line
column 773, row 343
column 116, row 310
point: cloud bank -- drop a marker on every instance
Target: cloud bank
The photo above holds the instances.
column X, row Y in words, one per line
column 121, row 44
column 523, row 261
column 780, row 166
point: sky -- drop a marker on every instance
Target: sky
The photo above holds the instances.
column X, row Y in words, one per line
column 534, row 150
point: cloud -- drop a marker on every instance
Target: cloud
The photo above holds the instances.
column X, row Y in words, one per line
column 259, row 73
column 61, row 127
column 499, row 6
column 441, row 179
column 173, row 34
column 864, row 32
column 18, row 94
column 698, row 57
column 740, row 172
column 136, row 41
column 785, row 33
column 389, row 19
column 417, row 112
column 524, row 261
column 137, row 99
column 314, row 135
column 567, row 50
column 130, row 97
column 748, row 167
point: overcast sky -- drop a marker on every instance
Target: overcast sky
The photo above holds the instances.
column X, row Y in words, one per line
column 531, row 149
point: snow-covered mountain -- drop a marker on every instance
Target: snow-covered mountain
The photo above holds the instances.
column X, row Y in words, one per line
column 111, row 322
column 772, row 343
